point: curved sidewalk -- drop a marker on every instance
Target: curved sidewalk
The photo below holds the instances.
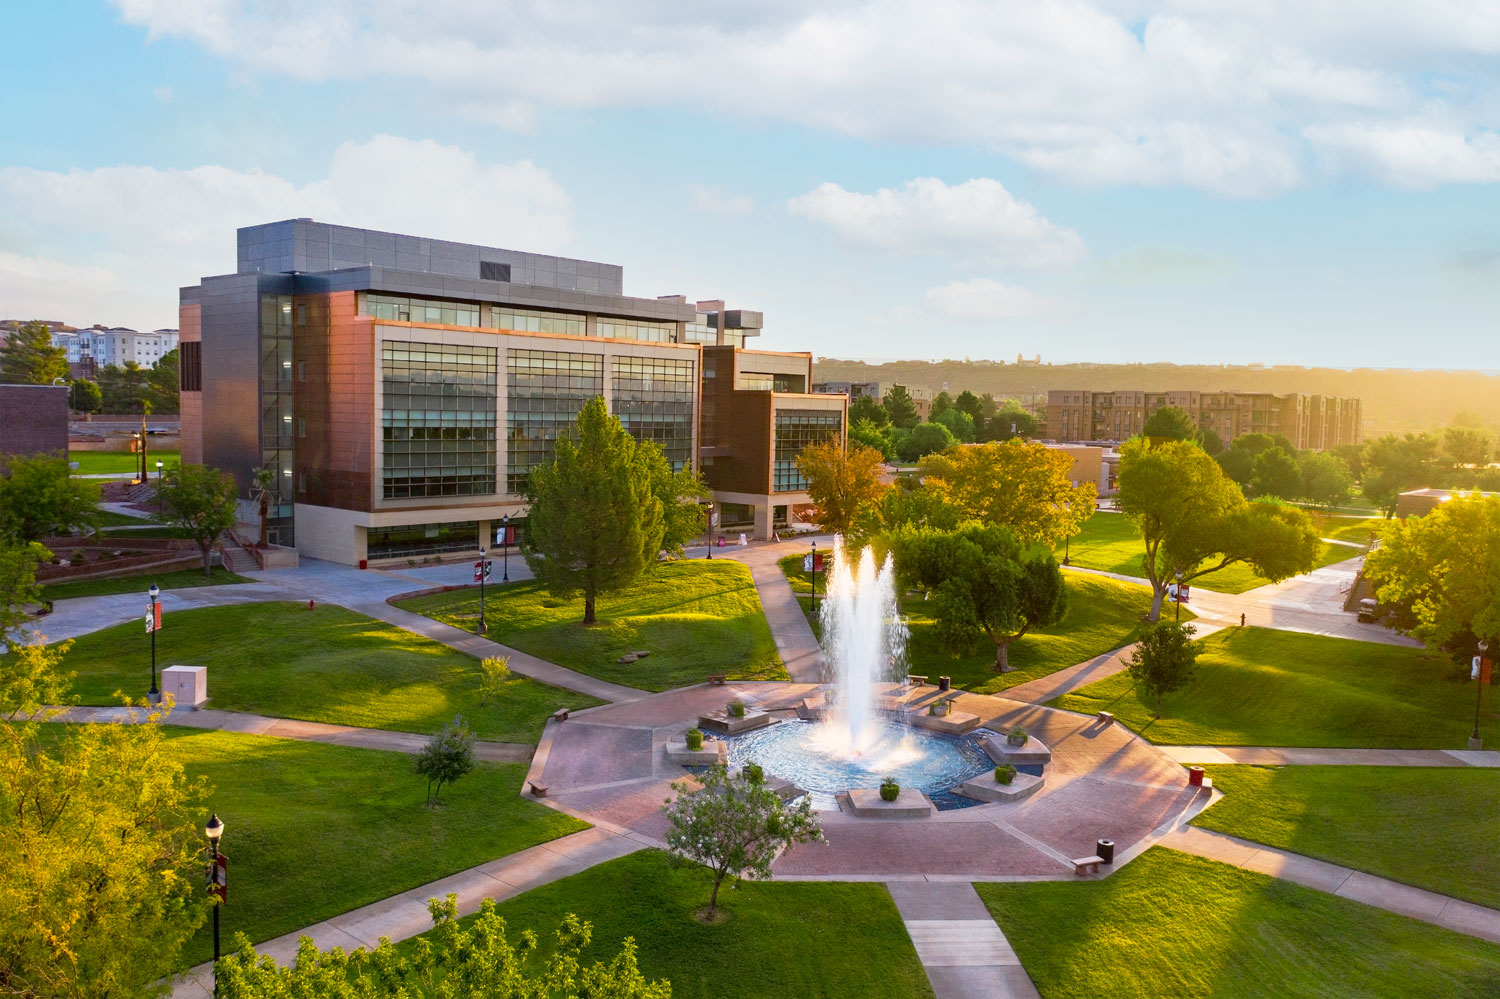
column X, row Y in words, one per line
column 1280, row 756
column 795, row 641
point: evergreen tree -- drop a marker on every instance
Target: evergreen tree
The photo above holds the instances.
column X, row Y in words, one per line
column 596, row 522
column 161, row 384
column 28, row 357
column 1170, row 423
column 899, row 407
column 865, row 408
column 970, row 403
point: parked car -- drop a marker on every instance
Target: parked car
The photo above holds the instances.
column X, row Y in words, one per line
column 1369, row 610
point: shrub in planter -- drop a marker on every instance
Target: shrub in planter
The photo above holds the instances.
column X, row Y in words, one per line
column 1005, row 773
column 754, row 774
column 694, row 738
column 889, row 789
column 1017, row 736
column 737, row 708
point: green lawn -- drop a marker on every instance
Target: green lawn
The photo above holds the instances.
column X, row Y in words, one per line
column 1260, row 687
column 106, row 462
column 1173, row 925
column 1110, row 542
column 1103, row 614
column 109, row 518
column 1414, row 824
column 794, row 939
column 1355, row 529
column 313, row 830
column 329, row 665
column 696, row 618
column 177, row 579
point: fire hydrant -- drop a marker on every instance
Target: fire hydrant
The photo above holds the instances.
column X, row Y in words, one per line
column 311, row 604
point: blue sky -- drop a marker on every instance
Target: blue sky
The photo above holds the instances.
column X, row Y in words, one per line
column 1091, row 181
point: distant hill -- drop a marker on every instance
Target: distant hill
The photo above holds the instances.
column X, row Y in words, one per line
column 1394, row 399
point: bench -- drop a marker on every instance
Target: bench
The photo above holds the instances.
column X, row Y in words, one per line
column 561, row 714
column 1086, row 865
column 538, row 790
column 717, row 679
column 915, row 680
column 1106, row 717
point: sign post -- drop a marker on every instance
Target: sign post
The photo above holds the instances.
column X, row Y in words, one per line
column 153, row 625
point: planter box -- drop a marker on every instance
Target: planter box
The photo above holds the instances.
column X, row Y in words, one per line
column 812, row 707
column 953, row 723
column 1001, row 751
column 713, row 751
column 986, row 788
column 866, row 803
column 723, row 721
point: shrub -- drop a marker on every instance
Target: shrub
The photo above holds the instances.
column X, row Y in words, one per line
column 1005, row 773
column 448, row 755
column 1018, row 736
column 694, row 738
column 493, row 673
column 754, row 774
column 737, row 708
column 890, row 790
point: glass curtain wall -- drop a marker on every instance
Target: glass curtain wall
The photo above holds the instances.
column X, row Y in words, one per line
column 545, row 389
column 653, row 397
column 276, row 432
column 795, row 430
column 438, row 420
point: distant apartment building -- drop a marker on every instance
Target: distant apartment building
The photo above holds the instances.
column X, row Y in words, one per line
column 403, row 388
column 1312, row 422
column 921, row 395
column 100, row 346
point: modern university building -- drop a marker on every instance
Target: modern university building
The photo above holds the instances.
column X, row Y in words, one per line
column 403, row 388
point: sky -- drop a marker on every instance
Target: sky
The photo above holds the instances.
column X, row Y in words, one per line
column 1274, row 181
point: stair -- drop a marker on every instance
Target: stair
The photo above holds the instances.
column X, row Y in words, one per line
column 236, row 558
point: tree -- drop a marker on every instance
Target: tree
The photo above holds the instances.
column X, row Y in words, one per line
column 262, row 488
column 85, row 397
column 866, row 408
column 1170, row 423
column 125, row 389
column 596, row 522
column 1019, row 485
column 476, row 960
column 494, row 676
column 202, row 501
column 899, row 407
column 100, row 846
column 684, row 514
column 959, row 423
column 28, row 357
column 1210, row 441
column 1325, row 478
column 1238, row 461
column 870, row 435
column 940, row 404
column 924, row 439
column 840, row 481
column 968, row 402
column 446, row 757
column 1195, row 520
column 1463, row 446
column 1275, row 473
column 18, row 589
column 39, row 499
column 735, row 826
column 1395, row 464
column 986, row 583
column 1010, row 421
column 1163, row 660
column 1353, row 457
column 908, row 504
column 987, row 406
column 161, row 383
column 1445, row 568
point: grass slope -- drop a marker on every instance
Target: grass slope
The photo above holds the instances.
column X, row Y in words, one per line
column 108, row 462
column 329, row 665
column 180, row 579
column 1173, row 925
column 1103, row 614
column 695, row 617
column 1110, row 542
column 313, row 830
column 833, row 941
column 1423, row 826
column 1260, row 687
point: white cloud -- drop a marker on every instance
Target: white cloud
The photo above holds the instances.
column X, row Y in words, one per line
column 982, row 299
column 712, row 200
column 133, row 227
column 1418, row 154
column 1179, row 92
column 978, row 219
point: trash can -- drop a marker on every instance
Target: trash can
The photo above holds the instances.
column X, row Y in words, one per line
column 945, row 683
column 1195, row 776
column 1105, row 849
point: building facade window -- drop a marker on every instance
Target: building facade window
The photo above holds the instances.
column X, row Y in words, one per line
column 545, row 389
column 795, row 430
column 701, row 329
column 190, row 366
column 653, row 397
column 421, row 539
column 635, row 329
column 422, row 310
column 276, row 441
column 438, row 420
column 537, row 321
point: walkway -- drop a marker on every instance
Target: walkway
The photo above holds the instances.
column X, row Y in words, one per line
column 794, row 636
column 1271, row 756
column 407, row 915
column 963, row 951
column 212, row 719
column 1382, row 893
column 1064, row 681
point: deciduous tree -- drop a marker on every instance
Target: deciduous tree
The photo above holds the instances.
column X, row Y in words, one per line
column 1009, row 421
column 1325, row 478
column 899, row 407
column 200, row 500
column 987, row 585
column 161, row 383
column 941, row 403
column 866, row 408
column 924, row 439
column 596, row 522
column 1465, row 446
column 1274, row 472
column 1170, row 423
column 27, row 357
column 1238, row 461
column 447, row 756
column 1163, row 660
column 1395, row 464
column 840, row 481
column 18, row 589
column 1195, row 520
column 874, row 436
column 39, row 498
column 85, row 397
column 959, row 423
column 684, row 515
column 735, row 825
column 1019, row 485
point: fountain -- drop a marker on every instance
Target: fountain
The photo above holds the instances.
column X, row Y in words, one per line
column 864, row 646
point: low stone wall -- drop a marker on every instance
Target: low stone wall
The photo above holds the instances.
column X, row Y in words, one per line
column 147, row 553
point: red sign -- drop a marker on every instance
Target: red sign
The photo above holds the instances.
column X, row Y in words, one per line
column 218, row 877
column 478, row 571
column 153, row 616
column 1484, row 671
column 818, row 562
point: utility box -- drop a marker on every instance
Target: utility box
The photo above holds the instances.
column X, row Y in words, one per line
column 188, row 685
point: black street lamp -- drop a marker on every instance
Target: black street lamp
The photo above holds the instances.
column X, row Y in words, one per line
column 484, row 572
column 1179, row 596
column 710, row 531
column 217, row 882
column 1475, row 742
column 505, row 549
column 153, row 622
column 159, row 466
column 815, row 576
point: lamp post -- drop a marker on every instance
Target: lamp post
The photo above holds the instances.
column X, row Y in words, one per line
column 815, row 576
column 160, row 465
column 484, row 571
column 217, row 882
column 505, row 548
column 153, row 622
column 1475, row 742
column 1179, row 596
column 710, row 531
